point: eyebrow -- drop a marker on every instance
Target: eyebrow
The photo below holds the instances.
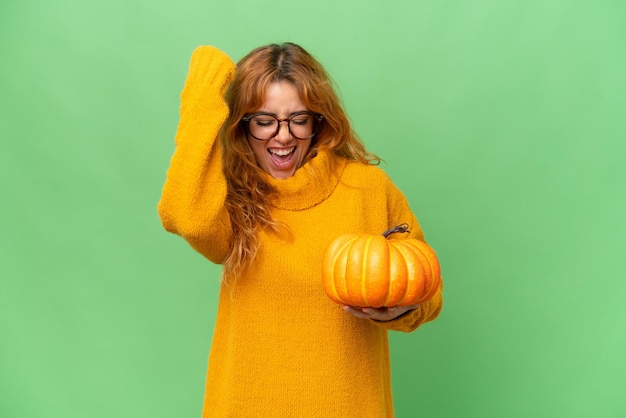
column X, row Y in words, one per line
column 276, row 116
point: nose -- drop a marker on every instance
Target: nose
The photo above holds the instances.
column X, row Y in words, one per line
column 283, row 135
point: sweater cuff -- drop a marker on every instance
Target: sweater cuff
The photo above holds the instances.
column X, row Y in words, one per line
column 402, row 323
column 210, row 73
column 411, row 320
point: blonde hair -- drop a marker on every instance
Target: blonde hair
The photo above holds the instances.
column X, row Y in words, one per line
column 248, row 192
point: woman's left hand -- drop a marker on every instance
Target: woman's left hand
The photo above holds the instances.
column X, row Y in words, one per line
column 379, row 314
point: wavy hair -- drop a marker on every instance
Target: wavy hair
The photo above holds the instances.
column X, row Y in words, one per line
column 248, row 191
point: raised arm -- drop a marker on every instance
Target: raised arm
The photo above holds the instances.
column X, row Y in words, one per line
column 192, row 201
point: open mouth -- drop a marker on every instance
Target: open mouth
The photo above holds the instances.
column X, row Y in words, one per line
column 281, row 156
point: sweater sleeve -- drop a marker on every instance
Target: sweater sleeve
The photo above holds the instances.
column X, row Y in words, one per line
column 192, row 201
column 399, row 213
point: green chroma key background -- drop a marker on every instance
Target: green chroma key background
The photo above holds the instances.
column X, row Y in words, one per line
column 503, row 123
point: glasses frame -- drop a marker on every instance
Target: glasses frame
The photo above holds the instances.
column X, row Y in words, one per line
column 317, row 123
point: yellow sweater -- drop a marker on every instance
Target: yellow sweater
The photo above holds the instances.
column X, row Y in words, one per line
column 280, row 347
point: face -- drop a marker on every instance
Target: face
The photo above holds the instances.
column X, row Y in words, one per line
column 283, row 154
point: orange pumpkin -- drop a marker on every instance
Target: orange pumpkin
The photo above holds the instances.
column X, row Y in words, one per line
column 371, row 270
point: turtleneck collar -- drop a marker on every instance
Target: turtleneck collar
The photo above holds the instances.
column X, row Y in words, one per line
column 310, row 185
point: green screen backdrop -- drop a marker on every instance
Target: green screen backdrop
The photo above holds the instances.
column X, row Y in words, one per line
column 502, row 121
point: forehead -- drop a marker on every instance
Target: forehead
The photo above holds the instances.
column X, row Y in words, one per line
column 281, row 97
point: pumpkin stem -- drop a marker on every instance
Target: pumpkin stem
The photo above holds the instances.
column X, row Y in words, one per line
column 398, row 228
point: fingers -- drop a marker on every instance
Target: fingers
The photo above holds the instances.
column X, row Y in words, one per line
column 379, row 314
column 356, row 311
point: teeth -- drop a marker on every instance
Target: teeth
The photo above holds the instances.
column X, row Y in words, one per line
column 281, row 152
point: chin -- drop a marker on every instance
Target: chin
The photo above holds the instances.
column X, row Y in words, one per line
column 282, row 175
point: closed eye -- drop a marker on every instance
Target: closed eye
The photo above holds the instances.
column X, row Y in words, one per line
column 302, row 120
column 264, row 122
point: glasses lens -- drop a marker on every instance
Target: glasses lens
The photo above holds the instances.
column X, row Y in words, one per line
column 263, row 126
column 301, row 125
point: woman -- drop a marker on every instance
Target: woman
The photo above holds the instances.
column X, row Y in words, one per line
column 286, row 176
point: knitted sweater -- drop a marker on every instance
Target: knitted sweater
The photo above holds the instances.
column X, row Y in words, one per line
column 280, row 347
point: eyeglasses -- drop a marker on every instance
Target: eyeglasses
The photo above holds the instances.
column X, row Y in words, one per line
column 265, row 126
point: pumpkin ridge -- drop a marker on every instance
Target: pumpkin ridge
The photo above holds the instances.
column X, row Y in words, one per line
column 426, row 252
column 389, row 271
column 364, row 270
column 341, row 252
column 431, row 270
column 420, row 278
column 406, row 261
column 435, row 271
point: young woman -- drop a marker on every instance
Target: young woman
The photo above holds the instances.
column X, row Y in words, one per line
column 266, row 173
